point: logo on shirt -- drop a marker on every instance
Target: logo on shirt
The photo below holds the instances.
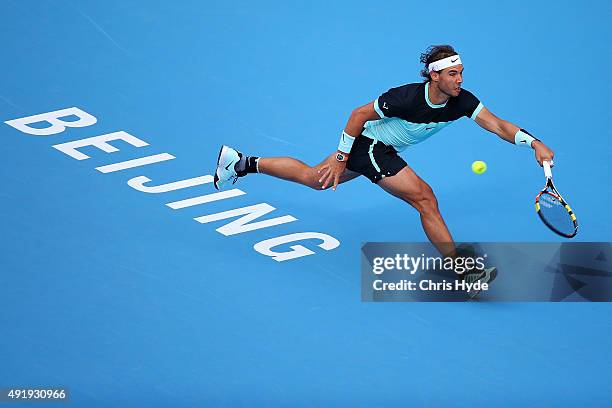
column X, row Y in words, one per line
column 385, row 106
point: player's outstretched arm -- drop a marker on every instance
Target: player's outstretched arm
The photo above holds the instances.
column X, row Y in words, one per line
column 513, row 134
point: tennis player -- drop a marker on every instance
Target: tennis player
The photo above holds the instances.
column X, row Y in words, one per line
column 378, row 130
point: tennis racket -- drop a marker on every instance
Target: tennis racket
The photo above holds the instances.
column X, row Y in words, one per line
column 554, row 212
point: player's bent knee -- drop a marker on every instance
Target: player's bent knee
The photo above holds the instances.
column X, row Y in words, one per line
column 423, row 199
column 430, row 196
column 429, row 205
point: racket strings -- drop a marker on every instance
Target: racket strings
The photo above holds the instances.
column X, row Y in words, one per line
column 555, row 213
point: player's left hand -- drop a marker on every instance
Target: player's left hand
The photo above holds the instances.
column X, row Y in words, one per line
column 542, row 152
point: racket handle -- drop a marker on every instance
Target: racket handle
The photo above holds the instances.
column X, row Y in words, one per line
column 547, row 172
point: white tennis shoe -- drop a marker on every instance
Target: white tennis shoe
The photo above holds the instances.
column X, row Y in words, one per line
column 225, row 171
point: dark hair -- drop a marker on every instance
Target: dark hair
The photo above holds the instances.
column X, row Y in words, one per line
column 435, row 53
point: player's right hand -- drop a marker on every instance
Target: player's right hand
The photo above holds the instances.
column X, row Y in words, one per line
column 330, row 173
column 542, row 152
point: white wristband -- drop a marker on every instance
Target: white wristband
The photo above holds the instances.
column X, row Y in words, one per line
column 346, row 142
column 522, row 138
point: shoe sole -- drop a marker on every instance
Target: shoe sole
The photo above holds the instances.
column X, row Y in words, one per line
column 216, row 176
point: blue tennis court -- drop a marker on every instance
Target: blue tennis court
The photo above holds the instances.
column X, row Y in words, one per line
column 131, row 296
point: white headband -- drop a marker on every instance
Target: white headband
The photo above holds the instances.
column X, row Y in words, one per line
column 444, row 63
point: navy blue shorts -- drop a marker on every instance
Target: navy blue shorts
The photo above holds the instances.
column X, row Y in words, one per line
column 374, row 159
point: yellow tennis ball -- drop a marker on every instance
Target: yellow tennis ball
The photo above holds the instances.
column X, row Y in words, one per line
column 479, row 167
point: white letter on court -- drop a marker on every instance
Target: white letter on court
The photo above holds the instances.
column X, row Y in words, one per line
column 265, row 247
column 130, row 164
column 240, row 225
column 138, row 183
column 57, row 125
column 208, row 198
column 70, row 148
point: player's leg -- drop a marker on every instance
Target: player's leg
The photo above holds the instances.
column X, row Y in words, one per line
column 291, row 169
column 232, row 164
column 408, row 186
column 383, row 166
